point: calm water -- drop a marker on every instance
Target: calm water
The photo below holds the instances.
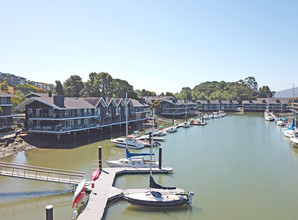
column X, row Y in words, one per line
column 240, row 167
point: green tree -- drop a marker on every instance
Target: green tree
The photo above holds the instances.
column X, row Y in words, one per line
column 59, row 88
column 90, row 87
column 73, row 86
column 102, row 84
column 121, row 87
column 265, row 91
column 170, row 94
column 147, row 93
column 157, row 106
column 4, row 85
column 15, row 101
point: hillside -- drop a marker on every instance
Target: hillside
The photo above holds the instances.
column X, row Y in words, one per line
column 287, row 93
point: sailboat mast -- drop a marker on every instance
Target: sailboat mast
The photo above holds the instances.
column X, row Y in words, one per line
column 126, row 118
column 293, row 108
column 151, row 143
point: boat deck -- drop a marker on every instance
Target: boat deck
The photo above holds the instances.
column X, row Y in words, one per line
column 104, row 191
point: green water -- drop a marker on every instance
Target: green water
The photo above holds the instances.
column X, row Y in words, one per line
column 240, row 167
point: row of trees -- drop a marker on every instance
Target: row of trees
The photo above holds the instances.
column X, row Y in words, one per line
column 98, row 84
column 246, row 89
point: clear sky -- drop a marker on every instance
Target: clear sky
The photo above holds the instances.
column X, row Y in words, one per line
column 158, row 45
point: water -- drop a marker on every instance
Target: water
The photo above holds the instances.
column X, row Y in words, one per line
column 240, row 167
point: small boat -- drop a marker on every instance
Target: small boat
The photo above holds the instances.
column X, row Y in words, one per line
column 161, row 133
column 186, row 124
column 280, row 123
column 206, row 117
column 79, row 194
column 197, row 122
column 289, row 131
column 172, row 129
column 95, row 174
column 294, row 139
column 129, row 142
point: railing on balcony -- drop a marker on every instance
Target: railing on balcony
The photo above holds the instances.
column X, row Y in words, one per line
column 58, row 116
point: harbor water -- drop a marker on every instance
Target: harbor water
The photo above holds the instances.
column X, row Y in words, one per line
column 239, row 167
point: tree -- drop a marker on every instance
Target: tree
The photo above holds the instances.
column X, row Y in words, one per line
column 90, row 87
column 121, row 87
column 4, row 85
column 15, row 101
column 170, row 94
column 265, row 92
column 59, row 88
column 73, row 86
column 147, row 93
column 157, row 106
column 102, row 84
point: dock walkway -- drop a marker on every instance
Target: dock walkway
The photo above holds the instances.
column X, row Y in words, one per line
column 104, row 191
column 41, row 173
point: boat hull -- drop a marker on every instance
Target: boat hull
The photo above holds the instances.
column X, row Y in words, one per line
column 148, row 200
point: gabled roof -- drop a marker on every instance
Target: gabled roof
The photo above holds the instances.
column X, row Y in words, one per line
column 119, row 101
column 69, row 102
column 136, row 103
column 111, row 101
column 35, row 94
column 94, row 101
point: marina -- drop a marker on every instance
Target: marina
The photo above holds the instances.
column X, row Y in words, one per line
column 230, row 164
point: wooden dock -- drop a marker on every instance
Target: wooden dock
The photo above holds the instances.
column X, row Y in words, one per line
column 104, row 191
column 41, row 173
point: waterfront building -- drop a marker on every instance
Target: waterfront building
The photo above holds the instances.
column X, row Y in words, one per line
column 6, row 120
column 64, row 115
column 261, row 104
column 171, row 107
column 216, row 105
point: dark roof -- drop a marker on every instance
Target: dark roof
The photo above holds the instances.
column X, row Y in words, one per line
column 92, row 100
column 35, row 94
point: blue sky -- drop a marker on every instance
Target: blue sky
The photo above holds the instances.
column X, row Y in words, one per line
column 158, row 45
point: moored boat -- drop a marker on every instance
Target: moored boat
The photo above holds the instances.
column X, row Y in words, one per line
column 79, row 194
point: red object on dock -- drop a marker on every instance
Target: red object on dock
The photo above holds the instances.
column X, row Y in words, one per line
column 95, row 174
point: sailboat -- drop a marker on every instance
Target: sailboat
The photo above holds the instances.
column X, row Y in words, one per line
column 134, row 160
column 280, row 122
column 130, row 141
column 290, row 131
column 158, row 196
column 267, row 114
column 186, row 124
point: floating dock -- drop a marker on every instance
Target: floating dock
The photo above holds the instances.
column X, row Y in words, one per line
column 104, row 191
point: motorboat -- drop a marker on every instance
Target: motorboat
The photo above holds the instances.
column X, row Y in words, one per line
column 129, row 142
column 79, row 194
column 294, row 139
column 197, row 122
column 280, row 123
column 186, row 124
column 269, row 117
column 288, row 131
column 206, row 117
column 172, row 129
column 95, row 174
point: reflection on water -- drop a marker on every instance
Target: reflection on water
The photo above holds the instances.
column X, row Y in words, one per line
column 240, row 167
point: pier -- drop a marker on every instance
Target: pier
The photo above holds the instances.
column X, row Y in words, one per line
column 41, row 173
column 105, row 192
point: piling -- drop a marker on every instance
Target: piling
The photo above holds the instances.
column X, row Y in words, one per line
column 49, row 212
column 99, row 158
column 160, row 157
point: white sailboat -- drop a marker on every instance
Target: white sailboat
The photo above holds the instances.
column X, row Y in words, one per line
column 294, row 139
column 267, row 114
column 130, row 141
column 186, row 123
column 290, row 131
column 158, row 196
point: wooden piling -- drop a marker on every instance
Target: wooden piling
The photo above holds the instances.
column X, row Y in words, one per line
column 100, row 158
column 160, row 158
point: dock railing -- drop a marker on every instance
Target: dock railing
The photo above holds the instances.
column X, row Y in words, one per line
column 41, row 173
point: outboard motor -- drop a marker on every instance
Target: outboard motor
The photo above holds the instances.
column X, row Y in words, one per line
column 190, row 195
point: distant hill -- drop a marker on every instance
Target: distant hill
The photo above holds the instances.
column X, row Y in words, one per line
column 287, row 93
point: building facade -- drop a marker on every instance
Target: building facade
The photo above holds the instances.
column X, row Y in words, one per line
column 6, row 119
column 216, row 105
column 64, row 115
column 261, row 104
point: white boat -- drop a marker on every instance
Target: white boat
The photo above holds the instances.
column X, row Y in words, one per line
column 280, row 123
column 160, row 133
column 172, row 129
column 294, row 139
column 79, row 194
column 222, row 113
column 186, row 124
column 269, row 117
column 289, row 131
column 206, row 117
column 197, row 122
column 158, row 196
column 138, row 162
column 128, row 142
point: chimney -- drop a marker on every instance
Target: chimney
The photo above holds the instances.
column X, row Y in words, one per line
column 50, row 94
column 59, row 100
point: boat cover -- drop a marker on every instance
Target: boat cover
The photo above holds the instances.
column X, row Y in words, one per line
column 129, row 155
column 153, row 184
